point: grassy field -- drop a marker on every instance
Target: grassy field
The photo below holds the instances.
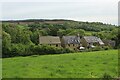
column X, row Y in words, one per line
column 73, row 65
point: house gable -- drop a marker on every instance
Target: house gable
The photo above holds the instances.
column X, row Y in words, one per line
column 87, row 40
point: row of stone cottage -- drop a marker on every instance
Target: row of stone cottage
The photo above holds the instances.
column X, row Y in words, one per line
column 75, row 42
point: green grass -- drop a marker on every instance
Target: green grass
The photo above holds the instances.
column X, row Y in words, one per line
column 73, row 65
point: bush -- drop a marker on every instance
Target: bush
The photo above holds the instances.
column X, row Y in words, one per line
column 21, row 49
column 106, row 47
column 67, row 50
column 43, row 49
column 97, row 48
column 46, row 49
column 6, row 44
column 32, row 49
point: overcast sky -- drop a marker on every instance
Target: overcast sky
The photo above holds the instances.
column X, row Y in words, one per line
column 105, row 11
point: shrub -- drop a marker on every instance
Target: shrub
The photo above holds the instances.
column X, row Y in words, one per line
column 6, row 44
column 67, row 50
column 21, row 49
column 46, row 49
column 106, row 47
column 32, row 49
column 97, row 48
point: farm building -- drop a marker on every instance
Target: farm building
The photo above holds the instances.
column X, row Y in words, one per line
column 72, row 42
column 109, row 43
column 50, row 40
column 91, row 41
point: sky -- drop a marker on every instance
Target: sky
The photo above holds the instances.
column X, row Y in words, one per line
column 105, row 11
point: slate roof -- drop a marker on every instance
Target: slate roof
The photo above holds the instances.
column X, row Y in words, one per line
column 49, row 40
column 71, row 39
column 93, row 39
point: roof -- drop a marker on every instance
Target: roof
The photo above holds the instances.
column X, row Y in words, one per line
column 71, row 39
column 108, row 41
column 49, row 40
column 100, row 41
column 93, row 39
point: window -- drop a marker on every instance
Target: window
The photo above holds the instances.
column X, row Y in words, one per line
column 56, row 45
column 68, row 44
column 75, row 40
column 73, row 44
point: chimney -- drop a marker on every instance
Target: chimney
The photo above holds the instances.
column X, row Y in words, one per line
column 78, row 35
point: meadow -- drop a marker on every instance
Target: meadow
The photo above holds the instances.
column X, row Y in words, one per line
column 71, row 65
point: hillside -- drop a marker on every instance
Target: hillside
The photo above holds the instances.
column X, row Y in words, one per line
column 89, row 26
column 77, row 65
column 21, row 37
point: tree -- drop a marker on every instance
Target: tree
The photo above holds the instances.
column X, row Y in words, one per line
column 61, row 32
column 35, row 37
column 6, row 44
column 52, row 30
column 77, row 31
